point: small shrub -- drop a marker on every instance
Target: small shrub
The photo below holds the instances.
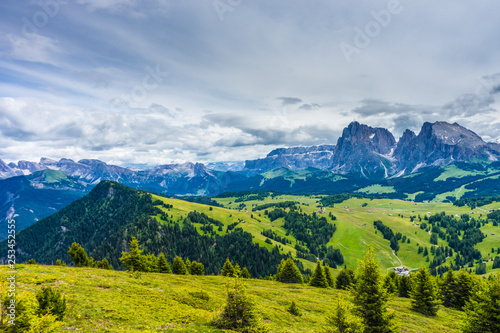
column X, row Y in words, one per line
column 51, row 301
column 294, row 309
column 78, row 255
column 228, row 269
column 238, row 314
column 179, row 267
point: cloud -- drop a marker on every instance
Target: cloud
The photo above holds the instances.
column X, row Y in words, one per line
column 308, row 107
column 36, row 48
column 82, row 69
column 111, row 5
column 469, row 105
column 374, row 107
column 289, row 100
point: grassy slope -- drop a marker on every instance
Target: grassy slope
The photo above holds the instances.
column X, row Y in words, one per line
column 377, row 189
column 354, row 225
column 113, row 301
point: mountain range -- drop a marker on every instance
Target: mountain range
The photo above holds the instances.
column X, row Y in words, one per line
column 442, row 162
column 368, row 152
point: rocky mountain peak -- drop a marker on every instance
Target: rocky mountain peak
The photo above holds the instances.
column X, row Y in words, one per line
column 360, row 149
column 91, row 162
column 440, row 143
column 377, row 139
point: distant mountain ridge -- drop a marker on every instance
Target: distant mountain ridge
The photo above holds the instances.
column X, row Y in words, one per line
column 362, row 151
column 295, row 158
column 443, row 162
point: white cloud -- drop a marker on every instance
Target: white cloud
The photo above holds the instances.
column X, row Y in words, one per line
column 271, row 74
column 34, row 48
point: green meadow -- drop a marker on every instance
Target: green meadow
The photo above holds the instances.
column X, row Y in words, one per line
column 116, row 301
column 354, row 221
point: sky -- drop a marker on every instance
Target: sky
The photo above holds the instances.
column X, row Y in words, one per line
column 136, row 82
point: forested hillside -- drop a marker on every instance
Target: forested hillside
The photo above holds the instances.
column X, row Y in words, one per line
column 103, row 222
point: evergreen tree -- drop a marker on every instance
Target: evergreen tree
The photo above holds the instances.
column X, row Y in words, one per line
column 294, row 309
column 342, row 319
column 50, row 301
column 328, row 276
column 345, row 279
column 483, row 310
column 464, row 289
column 424, row 293
column 370, row 296
column 133, row 260
column 448, row 289
column 228, row 269
column 188, row 266
column 179, row 267
column 149, row 263
column 197, row 268
column 404, row 286
column 496, row 262
column 318, row 278
column 163, row 265
column 237, row 270
column 78, row 255
column 238, row 314
column 104, row 264
column 389, row 284
column 27, row 318
column 288, row 272
column 245, row 273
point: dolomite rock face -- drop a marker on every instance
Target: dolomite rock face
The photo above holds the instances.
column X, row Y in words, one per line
column 441, row 143
column 365, row 150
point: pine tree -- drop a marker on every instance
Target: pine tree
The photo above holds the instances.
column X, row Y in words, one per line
column 188, row 266
column 343, row 319
column 237, row 270
column 294, row 309
column 389, row 285
column 163, row 265
column 228, row 269
column 288, row 272
column 448, row 289
column 197, row 268
column 318, row 278
column 149, row 263
column 483, row 310
column 133, row 260
column 238, row 314
column 345, row 279
column 179, row 267
column 245, row 273
column 78, row 255
column 424, row 293
column 370, row 296
column 464, row 288
column 51, row 301
column 328, row 276
column 104, row 264
column 404, row 286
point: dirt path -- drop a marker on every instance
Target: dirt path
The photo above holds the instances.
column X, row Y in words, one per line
column 397, row 258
